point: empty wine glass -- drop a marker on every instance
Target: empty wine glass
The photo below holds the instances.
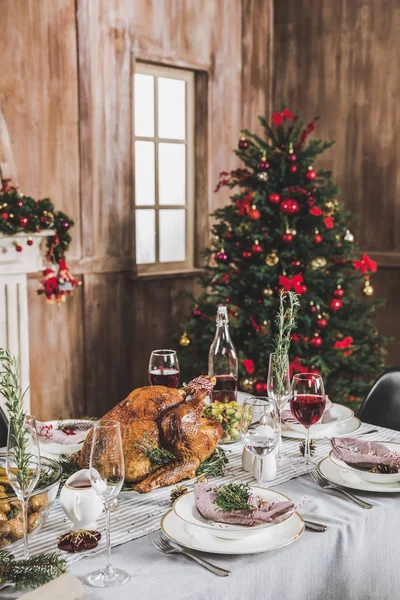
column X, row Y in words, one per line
column 259, row 428
column 307, row 404
column 164, row 368
column 278, row 386
column 23, row 464
column 107, row 472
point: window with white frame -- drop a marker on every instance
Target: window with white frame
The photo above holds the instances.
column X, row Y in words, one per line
column 164, row 167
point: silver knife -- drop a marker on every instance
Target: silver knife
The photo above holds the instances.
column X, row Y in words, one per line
column 317, row 527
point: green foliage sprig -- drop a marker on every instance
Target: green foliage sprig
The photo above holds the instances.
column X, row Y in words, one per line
column 158, row 456
column 233, row 496
column 286, row 320
column 30, row 572
column 215, row 465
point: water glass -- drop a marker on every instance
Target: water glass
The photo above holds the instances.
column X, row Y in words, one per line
column 278, row 386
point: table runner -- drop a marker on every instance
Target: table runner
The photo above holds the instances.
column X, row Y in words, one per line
column 140, row 513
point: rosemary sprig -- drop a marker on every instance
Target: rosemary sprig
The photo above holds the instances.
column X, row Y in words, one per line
column 158, row 456
column 233, row 496
column 30, row 572
column 10, row 388
column 214, row 466
column 286, row 321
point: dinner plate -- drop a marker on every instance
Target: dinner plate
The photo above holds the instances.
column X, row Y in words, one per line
column 50, row 449
column 335, row 430
column 349, row 479
column 380, row 478
column 197, row 538
column 335, row 415
column 185, row 508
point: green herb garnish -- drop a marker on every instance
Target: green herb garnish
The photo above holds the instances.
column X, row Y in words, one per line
column 158, row 456
column 286, row 321
column 233, row 496
column 214, row 466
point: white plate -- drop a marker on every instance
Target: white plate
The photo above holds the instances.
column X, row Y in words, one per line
column 185, row 508
column 50, row 449
column 335, row 430
column 335, row 415
column 197, row 538
column 349, row 479
column 380, row 478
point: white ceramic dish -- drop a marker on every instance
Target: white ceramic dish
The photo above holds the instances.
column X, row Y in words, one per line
column 185, row 508
column 335, row 415
column 50, row 449
column 380, row 478
column 335, row 430
column 350, row 479
column 197, row 538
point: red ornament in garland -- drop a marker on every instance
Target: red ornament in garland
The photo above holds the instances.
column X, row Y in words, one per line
column 246, row 255
column 287, row 237
column 336, row 304
column 338, row 293
column 292, row 168
column 260, row 388
column 311, row 174
column 289, row 207
column 29, row 241
column 256, row 249
column 316, row 341
column 23, row 222
column 274, row 198
column 221, row 257
column 322, row 323
column 254, row 214
column 18, row 248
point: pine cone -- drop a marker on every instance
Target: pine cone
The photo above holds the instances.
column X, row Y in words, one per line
column 177, row 492
column 382, row 468
column 312, row 447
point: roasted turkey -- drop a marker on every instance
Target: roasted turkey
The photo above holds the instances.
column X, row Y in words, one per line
column 161, row 417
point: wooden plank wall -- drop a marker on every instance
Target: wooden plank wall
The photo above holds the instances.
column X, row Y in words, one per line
column 66, row 89
column 339, row 60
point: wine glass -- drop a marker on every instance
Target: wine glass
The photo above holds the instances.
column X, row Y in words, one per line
column 278, row 386
column 23, row 464
column 107, row 472
column 259, row 428
column 307, row 403
column 164, row 368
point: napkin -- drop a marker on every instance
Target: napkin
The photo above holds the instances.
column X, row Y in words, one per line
column 59, row 437
column 262, row 513
column 287, row 416
column 65, row 587
column 364, row 454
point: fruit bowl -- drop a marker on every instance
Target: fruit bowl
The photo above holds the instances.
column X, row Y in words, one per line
column 40, row 502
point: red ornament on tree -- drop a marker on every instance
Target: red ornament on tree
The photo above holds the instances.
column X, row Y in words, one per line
column 4, row 216
column 303, row 288
column 256, row 249
column 254, row 214
column 292, row 168
column 313, row 309
column 196, row 312
column 289, row 207
column 316, row 341
column 296, row 263
column 291, row 157
column 318, row 239
column 246, row 255
column 260, row 387
column 311, row 174
column 65, row 224
column 243, row 143
column 322, row 323
column 287, row 237
column 263, row 165
column 336, row 304
column 221, row 257
column 274, row 198
column 229, row 235
column 338, row 293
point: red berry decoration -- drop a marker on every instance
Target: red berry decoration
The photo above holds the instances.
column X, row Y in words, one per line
column 68, row 432
column 256, row 249
column 18, row 248
column 274, row 198
column 287, row 237
column 246, row 255
column 311, row 174
column 196, row 312
column 221, row 257
column 254, row 214
column 23, row 222
column 322, row 323
column 318, row 239
column 29, row 241
column 260, row 387
column 263, row 165
column 292, row 168
column 336, row 304
column 338, row 293
column 316, row 341
column 291, row 157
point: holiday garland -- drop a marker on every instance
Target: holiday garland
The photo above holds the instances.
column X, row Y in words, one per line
column 20, row 214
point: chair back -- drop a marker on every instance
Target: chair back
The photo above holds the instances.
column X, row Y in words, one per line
column 3, row 428
column 382, row 404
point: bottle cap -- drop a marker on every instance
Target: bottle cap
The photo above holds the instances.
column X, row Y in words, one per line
column 222, row 310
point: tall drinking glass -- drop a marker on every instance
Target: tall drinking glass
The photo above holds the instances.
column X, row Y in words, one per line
column 307, row 403
column 278, row 385
column 164, row 368
column 107, row 472
column 259, row 428
column 23, row 464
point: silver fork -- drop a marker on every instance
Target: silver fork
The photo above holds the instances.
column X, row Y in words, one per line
column 324, row 483
column 164, row 546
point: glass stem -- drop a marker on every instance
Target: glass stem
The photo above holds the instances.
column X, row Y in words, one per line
column 259, row 469
column 307, row 446
column 109, row 569
column 24, row 503
column 279, row 454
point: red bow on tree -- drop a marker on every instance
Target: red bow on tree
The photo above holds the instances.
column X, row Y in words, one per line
column 295, row 283
column 365, row 264
column 248, row 366
column 278, row 118
column 317, row 212
column 296, row 367
column 243, row 204
column 329, row 221
column 346, row 342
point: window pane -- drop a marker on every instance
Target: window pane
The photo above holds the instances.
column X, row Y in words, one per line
column 145, row 236
column 172, row 235
column 171, row 108
column 144, row 105
column 144, row 174
column 171, row 174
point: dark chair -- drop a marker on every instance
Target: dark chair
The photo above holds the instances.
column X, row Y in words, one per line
column 3, row 429
column 382, row 404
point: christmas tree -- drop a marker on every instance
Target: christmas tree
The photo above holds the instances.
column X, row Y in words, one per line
column 285, row 229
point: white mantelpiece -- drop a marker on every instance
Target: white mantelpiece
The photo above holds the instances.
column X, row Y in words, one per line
column 14, row 268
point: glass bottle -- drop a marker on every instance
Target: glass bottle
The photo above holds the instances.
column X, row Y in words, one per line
column 222, row 360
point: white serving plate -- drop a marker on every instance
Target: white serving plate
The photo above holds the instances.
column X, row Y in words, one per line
column 50, row 449
column 335, row 415
column 185, row 508
column 197, row 538
column 334, row 430
column 350, row 479
column 380, row 478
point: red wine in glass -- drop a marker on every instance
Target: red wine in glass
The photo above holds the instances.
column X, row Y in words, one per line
column 224, row 389
column 307, row 408
column 167, row 377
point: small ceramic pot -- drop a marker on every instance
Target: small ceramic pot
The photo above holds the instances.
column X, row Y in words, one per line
column 80, row 502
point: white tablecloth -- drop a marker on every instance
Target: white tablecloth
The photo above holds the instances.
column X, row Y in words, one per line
column 357, row 558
